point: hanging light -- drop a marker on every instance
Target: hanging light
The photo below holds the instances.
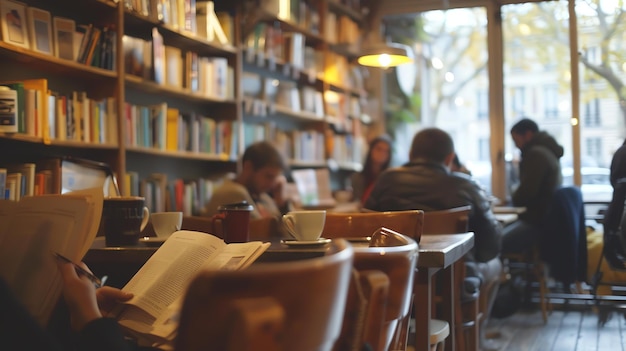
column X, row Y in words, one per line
column 385, row 55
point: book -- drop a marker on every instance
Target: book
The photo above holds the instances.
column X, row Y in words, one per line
column 32, row 230
column 159, row 285
column 40, row 86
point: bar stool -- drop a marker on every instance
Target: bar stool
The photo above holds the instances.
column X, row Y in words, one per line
column 439, row 331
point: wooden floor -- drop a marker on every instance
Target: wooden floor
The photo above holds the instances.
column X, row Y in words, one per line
column 573, row 330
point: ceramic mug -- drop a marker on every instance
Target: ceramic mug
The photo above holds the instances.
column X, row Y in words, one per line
column 123, row 220
column 166, row 223
column 305, row 225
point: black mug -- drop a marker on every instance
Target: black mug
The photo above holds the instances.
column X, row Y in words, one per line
column 123, row 219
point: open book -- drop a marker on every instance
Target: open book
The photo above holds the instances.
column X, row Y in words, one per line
column 32, row 230
column 160, row 285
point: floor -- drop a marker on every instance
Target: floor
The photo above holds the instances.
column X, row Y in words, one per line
column 566, row 330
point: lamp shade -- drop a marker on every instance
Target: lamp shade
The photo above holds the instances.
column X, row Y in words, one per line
column 386, row 55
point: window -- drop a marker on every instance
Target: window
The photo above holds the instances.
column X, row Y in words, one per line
column 482, row 102
column 592, row 113
column 457, row 94
column 551, row 101
column 593, row 148
column 517, row 102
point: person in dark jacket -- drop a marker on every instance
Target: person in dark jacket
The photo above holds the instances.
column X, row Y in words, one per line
column 540, row 175
column 426, row 183
column 614, row 240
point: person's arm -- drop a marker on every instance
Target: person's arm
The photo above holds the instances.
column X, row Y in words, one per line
column 87, row 307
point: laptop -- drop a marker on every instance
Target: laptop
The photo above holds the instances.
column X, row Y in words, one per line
column 313, row 186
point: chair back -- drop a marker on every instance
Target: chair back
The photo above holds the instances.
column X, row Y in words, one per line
column 395, row 255
column 361, row 224
column 563, row 239
column 259, row 229
column 297, row 305
column 449, row 221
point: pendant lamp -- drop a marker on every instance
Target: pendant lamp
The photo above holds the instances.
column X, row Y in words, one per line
column 385, row 55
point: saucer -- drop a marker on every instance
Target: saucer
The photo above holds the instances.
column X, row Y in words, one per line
column 294, row 242
column 152, row 240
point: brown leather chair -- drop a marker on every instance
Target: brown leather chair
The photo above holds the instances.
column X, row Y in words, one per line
column 273, row 306
column 467, row 317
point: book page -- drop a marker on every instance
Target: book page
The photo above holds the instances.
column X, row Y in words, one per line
column 159, row 286
column 165, row 276
column 32, row 230
column 237, row 256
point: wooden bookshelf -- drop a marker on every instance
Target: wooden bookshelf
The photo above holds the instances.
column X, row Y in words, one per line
column 119, row 86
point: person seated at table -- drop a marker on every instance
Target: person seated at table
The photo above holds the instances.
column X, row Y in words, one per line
column 377, row 160
column 86, row 305
column 539, row 177
column 261, row 175
column 427, row 183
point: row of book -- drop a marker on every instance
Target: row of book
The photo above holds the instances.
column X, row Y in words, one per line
column 197, row 17
column 166, row 128
column 307, row 145
column 170, row 66
column 38, row 30
column 340, row 29
column 165, row 195
column 48, row 176
column 269, row 41
column 302, row 13
column 347, row 148
column 43, row 113
column 301, row 145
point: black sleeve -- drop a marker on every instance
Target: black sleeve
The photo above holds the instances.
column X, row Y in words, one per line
column 102, row 334
column 18, row 329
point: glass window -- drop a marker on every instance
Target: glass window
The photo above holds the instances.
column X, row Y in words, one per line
column 452, row 84
column 452, row 81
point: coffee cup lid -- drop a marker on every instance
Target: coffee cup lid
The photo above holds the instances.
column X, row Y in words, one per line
column 239, row 206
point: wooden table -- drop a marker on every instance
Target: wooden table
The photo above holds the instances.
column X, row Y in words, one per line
column 437, row 252
column 508, row 209
column 121, row 263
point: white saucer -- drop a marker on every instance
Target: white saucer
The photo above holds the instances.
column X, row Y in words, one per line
column 294, row 242
column 152, row 240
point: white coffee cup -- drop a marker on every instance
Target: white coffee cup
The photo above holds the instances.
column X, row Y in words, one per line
column 305, row 225
column 166, row 223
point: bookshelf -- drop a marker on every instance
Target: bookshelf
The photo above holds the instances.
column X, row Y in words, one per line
column 127, row 108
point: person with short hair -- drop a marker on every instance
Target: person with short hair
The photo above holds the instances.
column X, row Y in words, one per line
column 427, row 183
column 539, row 176
column 262, row 168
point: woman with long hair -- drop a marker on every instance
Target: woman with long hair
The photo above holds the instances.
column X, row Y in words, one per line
column 377, row 160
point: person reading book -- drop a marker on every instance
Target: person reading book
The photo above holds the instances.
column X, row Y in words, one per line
column 87, row 306
column 151, row 316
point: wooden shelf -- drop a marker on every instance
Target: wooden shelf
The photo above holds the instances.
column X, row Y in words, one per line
column 181, row 154
column 339, row 8
column 47, row 63
column 141, row 26
column 152, row 87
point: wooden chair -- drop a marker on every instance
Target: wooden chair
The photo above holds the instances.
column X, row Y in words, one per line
column 273, row 306
column 361, row 224
column 467, row 316
column 395, row 255
column 351, row 225
column 260, row 229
